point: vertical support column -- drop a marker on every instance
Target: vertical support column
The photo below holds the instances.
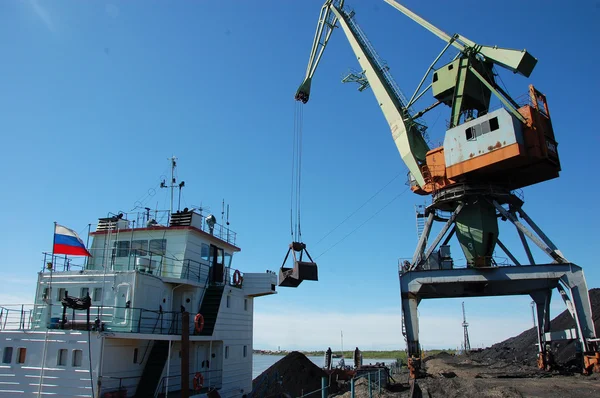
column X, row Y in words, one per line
column 185, row 355
column 323, row 387
column 575, row 282
column 582, row 313
column 542, row 302
column 411, row 323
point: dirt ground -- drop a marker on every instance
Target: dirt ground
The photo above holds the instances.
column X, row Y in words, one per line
column 461, row 377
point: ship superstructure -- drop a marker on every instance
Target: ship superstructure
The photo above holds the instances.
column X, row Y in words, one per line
column 120, row 324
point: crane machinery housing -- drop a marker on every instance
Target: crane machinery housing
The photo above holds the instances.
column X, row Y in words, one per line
column 486, row 155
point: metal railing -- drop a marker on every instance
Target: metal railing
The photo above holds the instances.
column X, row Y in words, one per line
column 113, row 384
column 158, row 265
column 162, row 218
column 212, row 379
column 16, row 316
column 374, row 381
column 102, row 318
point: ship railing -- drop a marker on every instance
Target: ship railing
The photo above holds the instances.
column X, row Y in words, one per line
column 113, row 386
column 137, row 220
column 16, row 316
column 61, row 263
column 152, row 264
column 212, row 379
column 102, row 318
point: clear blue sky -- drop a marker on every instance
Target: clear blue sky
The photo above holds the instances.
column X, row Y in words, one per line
column 96, row 95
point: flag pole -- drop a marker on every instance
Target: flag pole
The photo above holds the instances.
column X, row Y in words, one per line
column 87, row 244
column 50, row 267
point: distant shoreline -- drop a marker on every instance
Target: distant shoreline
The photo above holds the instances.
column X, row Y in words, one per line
column 396, row 354
column 347, row 354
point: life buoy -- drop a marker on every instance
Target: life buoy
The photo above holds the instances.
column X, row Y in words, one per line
column 199, row 323
column 198, row 381
column 237, row 278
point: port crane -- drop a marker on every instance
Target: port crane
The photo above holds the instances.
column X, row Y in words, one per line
column 486, row 155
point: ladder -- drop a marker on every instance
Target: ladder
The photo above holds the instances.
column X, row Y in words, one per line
column 420, row 214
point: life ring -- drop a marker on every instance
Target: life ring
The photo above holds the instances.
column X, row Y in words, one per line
column 199, row 323
column 198, row 381
column 237, row 278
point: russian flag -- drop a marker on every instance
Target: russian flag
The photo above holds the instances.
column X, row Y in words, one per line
column 66, row 241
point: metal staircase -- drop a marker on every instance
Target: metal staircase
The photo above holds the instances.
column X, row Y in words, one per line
column 153, row 369
column 420, row 214
column 210, row 308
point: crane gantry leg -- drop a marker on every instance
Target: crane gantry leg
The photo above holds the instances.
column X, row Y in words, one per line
column 433, row 275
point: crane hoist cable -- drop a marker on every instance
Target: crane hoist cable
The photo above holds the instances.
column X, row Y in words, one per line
column 302, row 269
column 296, row 178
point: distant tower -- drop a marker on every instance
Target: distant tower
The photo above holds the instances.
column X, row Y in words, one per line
column 466, row 344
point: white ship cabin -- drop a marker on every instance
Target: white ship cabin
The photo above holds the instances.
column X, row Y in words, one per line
column 114, row 326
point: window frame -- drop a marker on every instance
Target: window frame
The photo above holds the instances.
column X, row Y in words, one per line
column 97, row 297
column 162, row 250
column 21, row 355
column 74, row 362
column 7, row 355
column 140, row 251
column 59, row 357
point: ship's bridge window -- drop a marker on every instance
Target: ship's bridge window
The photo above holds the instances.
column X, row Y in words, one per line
column 84, row 291
column 205, row 252
column 121, row 248
column 60, row 294
column 228, row 260
column 139, row 248
column 158, row 247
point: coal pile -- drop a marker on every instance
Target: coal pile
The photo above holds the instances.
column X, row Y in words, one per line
column 293, row 375
column 523, row 349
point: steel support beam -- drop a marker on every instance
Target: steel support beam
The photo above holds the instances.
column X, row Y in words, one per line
column 541, row 234
column 508, row 253
column 423, row 239
column 541, row 244
column 439, row 237
column 450, row 235
column 526, row 247
column 536, row 281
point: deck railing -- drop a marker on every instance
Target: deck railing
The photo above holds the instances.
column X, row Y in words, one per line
column 161, row 266
column 16, row 316
column 212, row 379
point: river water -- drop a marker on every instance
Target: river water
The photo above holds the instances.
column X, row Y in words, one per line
column 260, row 363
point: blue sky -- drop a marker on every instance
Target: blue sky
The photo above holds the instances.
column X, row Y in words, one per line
column 96, row 95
